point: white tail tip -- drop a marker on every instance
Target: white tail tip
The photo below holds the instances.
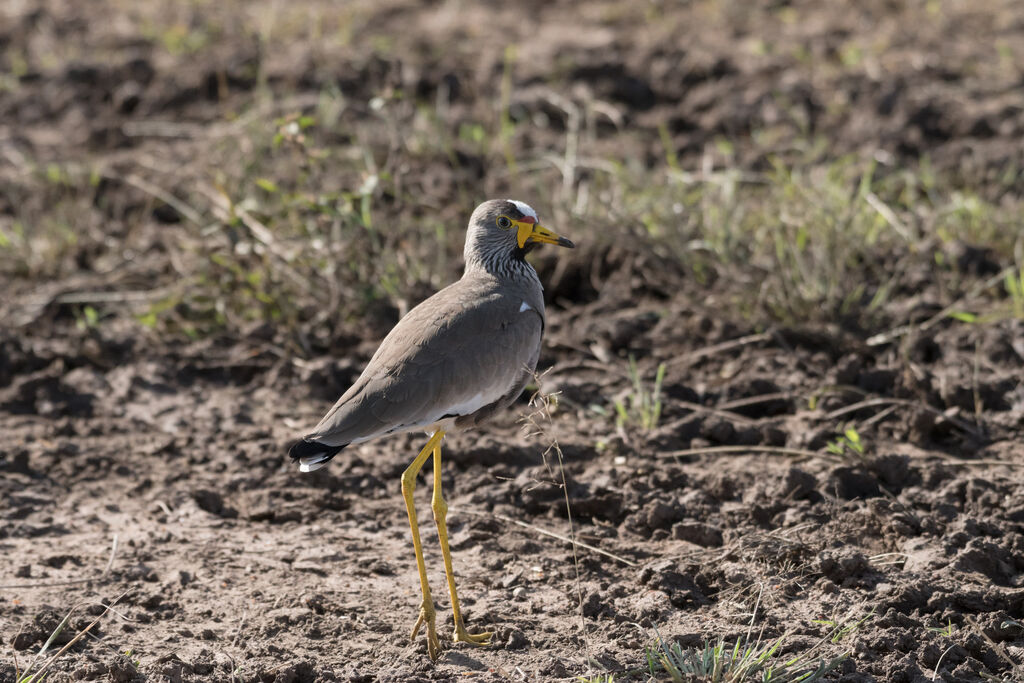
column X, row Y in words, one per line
column 312, row 463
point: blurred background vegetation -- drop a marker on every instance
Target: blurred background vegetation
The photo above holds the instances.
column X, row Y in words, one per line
column 303, row 172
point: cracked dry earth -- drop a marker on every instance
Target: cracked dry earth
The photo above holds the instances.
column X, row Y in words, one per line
column 229, row 560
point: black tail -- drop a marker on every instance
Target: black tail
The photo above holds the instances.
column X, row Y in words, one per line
column 312, row 455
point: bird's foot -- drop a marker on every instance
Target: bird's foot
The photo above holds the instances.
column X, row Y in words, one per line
column 427, row 617
column 464, row 636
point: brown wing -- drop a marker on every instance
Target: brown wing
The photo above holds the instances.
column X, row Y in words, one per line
column 463, row 350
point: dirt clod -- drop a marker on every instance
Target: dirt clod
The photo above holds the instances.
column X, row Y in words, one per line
column 121, row 669
column 853, row 483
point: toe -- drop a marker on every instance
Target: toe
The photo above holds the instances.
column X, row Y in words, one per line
column 433, row 648
column 426, row 618
column 482, row 639
column 416, row 627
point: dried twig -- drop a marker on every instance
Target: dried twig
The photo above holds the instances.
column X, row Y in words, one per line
column 957, row 462
column 807, row 454
column 70, row 582
column 698, row 408
column 113, row 553
column 871, row 402
column 163, row 195
column 889, row 215
column 38, row 675
column 799, row 453
column 691, row 358
column 238, row 629
column 164, row 129
column 112, row 297
column 879, row 416
column 999, row 649
column 903, row 330
column 225, row 210
column 542, row 402
column 755, row 400
column 545, row 532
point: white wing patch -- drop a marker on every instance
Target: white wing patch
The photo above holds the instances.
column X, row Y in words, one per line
column 525, row 209
column 471, row 405
column 466, row 407
column 525, row 307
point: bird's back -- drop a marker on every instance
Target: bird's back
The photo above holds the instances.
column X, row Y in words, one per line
column 465, row 351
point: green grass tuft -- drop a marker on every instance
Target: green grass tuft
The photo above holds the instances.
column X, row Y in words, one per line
column 642, row 406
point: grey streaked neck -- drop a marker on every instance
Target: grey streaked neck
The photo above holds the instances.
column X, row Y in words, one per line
column 500, row 263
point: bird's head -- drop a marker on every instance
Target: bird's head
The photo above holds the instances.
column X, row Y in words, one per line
column 503, row 229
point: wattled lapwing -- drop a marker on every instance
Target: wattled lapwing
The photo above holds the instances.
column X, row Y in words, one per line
column 450, row 363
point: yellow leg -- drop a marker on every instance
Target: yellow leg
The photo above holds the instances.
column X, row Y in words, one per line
column 440, row 516
column 427, row 606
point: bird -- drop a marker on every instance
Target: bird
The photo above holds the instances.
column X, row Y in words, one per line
column 450, row 363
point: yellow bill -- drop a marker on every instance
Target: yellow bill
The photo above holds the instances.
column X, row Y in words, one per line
column 535, row 232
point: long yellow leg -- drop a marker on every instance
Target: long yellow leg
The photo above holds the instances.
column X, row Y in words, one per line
column 427, row 606
column 440, row 516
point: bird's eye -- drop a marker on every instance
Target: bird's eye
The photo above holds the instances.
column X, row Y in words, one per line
column 504, row 222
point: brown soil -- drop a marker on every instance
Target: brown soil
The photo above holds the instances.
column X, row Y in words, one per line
column 228, row 559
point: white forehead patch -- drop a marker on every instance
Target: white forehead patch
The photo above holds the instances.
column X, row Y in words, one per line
column 525, row 209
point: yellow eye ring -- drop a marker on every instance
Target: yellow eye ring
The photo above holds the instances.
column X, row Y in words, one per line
column 503, row 222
